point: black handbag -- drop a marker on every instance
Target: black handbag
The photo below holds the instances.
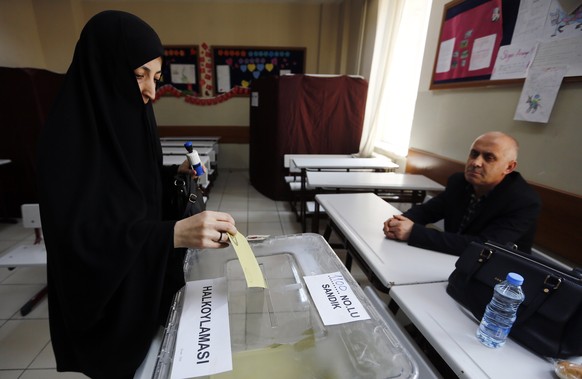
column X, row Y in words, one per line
column 549, row 321
column 186, row 197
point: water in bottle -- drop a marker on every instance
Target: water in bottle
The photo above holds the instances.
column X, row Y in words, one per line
column 501, row 312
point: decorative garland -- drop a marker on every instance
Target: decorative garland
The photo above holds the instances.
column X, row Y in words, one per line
column 170, row 90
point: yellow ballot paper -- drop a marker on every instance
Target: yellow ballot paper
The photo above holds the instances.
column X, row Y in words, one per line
column 250, row 266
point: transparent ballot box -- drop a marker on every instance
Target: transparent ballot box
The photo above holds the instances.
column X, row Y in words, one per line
column 277, row 332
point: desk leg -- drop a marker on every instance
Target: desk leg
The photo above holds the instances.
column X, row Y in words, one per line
column 418, row 196
column 393, row 306
column 327, row 233
column 346, row 245
column 315, row 222
column 349, row 260
column 26, row 308
column 303, row 197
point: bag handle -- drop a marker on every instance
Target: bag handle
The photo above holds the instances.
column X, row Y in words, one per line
column 550, row 285
column 483, row 257
column 574, row 274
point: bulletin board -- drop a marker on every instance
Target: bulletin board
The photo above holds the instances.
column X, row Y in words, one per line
column 239, row 66
column 492, row 42
column 180, row 68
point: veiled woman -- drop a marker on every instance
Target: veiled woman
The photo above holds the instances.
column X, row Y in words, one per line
column 114, row 264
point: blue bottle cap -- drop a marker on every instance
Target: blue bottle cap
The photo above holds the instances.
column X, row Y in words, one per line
column 515, row 279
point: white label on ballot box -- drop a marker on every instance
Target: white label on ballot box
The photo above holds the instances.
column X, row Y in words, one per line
column 203, row 340
column 334, row 299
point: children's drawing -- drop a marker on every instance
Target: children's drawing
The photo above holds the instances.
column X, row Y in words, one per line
column 560, row 20
column 534, row 103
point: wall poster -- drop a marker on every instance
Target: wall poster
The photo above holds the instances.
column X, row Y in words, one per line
column 239, row 66
column 486, row 42
column 180, row 69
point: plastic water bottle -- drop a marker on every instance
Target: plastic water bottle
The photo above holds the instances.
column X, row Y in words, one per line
column 194, row 159
column 501, row 312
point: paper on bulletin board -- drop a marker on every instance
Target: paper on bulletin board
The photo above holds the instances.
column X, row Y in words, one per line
column 203, row 340
column 555, row 53
column 223, row 78
column 183, row 73
column 482, row 52
column 539, row 93
column 334, row 299
column 532, row 14
column 445, row 56
column 513, row 61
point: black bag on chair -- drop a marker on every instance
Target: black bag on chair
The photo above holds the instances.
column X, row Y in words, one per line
column 549, row 321
column 186, row 197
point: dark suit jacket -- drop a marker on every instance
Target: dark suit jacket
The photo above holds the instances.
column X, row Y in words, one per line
column 508, row 214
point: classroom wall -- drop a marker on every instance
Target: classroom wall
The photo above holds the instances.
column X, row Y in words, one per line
column 19, row 46
column 447, row 121
column 41, row 33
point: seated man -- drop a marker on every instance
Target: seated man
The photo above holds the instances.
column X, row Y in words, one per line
column 488, row 202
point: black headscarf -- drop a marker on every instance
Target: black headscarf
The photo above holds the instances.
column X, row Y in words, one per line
column 109, row 252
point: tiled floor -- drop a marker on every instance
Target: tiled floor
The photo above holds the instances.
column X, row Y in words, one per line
column 25, row 349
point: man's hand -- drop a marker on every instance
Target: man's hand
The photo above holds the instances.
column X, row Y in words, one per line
column 398, row 228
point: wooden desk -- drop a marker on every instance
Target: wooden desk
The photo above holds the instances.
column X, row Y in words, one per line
column 191, row 138
column 24, row 254
column 288, row 159
column 196, row 144
column 358, row 219
column 174, row 150
column 345, row 164
column 293, row 173
column 390, row 186
column 450, row 329
column 371, row 181
column 198, row 141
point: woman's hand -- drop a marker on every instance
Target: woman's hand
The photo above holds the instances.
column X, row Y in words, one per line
column 204, row 230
